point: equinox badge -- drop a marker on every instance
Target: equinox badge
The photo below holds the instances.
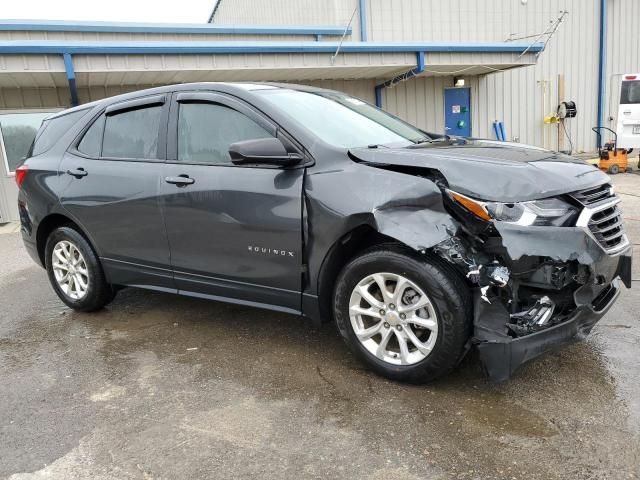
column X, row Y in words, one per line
column 271, row 251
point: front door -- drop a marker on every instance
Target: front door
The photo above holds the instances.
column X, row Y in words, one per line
column 113, row 177
column 234, row 231
column 457, row 111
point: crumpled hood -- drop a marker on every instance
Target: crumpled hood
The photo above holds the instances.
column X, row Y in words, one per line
column 494, row 171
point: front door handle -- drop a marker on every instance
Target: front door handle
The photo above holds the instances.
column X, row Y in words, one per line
column 78, row 172
column 180, row 181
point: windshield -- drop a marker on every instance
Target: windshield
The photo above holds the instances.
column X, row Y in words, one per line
column 341, row 120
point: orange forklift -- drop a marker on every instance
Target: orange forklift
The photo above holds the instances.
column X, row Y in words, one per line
column 611, row 158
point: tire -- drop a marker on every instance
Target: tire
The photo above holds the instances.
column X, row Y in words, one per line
column 613, row 169
column 86, row 269
column 448, row 318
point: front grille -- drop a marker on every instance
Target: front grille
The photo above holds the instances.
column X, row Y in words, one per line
column 602, row 216
column 606, row 226
column 594, row 195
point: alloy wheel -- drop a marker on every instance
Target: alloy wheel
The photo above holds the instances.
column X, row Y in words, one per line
column 70, row 270
column 393, row 318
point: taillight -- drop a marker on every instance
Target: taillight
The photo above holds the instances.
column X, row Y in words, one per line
column 21, row 174
column 630, row 77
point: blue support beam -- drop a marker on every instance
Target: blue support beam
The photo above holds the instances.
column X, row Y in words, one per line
column 601, row 68
column 71, row 78
column 379, row 89
column 363, row 21
column 420, row 66
column 138, row 47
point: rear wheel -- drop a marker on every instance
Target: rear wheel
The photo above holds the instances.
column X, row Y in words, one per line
column 613, row 169
column 75, row 271
column 406, row 318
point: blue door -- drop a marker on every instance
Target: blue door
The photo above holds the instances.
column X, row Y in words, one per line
column 457, row 111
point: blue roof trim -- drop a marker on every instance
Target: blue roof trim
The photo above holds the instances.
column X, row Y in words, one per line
column 239, row 47
column 186, row 28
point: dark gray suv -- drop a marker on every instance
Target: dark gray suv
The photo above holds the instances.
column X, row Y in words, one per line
column 314, row 203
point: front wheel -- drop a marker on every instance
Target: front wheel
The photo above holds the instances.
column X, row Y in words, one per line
column 75, row 271
column 405, row 317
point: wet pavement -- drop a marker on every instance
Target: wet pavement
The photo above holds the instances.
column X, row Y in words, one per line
column 158, row 386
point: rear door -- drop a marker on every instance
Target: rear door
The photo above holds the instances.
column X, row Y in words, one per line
column 235, row 231
column 113, row 183
column 628, row 128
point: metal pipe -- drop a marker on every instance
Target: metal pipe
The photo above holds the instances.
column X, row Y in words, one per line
column 363, row 20
column 379, row 89
column 601, row 67
column 71, row 78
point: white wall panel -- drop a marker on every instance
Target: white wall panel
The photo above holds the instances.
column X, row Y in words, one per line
column 516, row 97
column 521, row 98
column 289, row 12
column 419, row 101
column 169, row 37
column 363, row 89
column 623, row 51
column 18, row 98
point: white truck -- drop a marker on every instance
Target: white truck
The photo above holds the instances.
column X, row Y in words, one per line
column 628, row 126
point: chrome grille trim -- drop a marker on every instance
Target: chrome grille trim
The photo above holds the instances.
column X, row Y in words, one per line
column 594, row 195
column 610, row 236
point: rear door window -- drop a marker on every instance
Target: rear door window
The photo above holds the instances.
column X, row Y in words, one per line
column 132, row 133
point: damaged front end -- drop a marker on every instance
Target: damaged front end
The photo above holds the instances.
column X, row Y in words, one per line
column 538, row 281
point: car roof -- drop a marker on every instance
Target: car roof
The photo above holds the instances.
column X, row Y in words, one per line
column 227, row 87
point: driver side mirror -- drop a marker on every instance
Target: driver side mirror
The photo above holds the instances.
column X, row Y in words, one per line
column 262, row 151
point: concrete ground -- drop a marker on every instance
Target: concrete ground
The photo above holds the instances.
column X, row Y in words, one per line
column 158, row 386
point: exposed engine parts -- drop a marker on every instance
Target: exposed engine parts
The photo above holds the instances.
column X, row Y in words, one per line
column 534, row 318
column 514, row 285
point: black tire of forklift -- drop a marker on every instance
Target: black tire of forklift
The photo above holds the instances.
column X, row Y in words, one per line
column 613, row 169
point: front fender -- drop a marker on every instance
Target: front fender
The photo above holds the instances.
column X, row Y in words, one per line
column 405, row 208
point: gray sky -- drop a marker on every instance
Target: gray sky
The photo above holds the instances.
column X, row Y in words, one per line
column 174, row 11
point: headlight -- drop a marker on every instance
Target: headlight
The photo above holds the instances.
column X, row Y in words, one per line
column 550, row 211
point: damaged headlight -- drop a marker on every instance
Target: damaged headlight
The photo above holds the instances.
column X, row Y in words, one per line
column 547, row 212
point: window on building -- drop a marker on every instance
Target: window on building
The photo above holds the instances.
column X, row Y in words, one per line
column 52, row 129
column 17, row 132
column 91, row 142
column 205, row 132
column 132, row 133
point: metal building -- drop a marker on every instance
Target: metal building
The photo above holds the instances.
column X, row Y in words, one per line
column 457, row 65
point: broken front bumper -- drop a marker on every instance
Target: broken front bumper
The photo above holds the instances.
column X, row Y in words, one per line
column 502, row 354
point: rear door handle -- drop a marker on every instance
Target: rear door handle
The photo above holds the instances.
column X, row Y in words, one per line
column 180, row 181
column 78, row 172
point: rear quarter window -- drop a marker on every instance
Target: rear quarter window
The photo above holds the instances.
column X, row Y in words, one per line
column 53, row 129
column 91, row 143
